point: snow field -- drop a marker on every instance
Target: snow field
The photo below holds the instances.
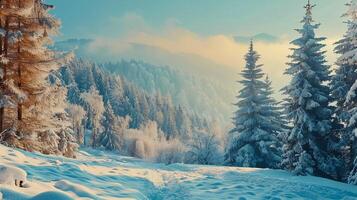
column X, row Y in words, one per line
column 107, row 176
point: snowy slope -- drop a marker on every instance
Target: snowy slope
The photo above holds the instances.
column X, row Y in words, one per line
column 102, row 175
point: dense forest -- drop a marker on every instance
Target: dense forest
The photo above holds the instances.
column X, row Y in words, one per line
column 209, row 101
column 56, row 103
column 320, row 138
column 113, row 107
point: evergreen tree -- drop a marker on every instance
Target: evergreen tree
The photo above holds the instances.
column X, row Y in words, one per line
column 95, row 109
column 169, row 124
column 111, row 138
column 279, row 124
column 306, row 148
column 30, row 104
column 183, row 123
column 346, row 72
column 77, row 115
column 352, row 178
column 84, row 75
column 343, row 85
column 254, row 143
column 351, row 104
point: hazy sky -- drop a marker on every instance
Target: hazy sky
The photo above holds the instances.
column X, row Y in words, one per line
column 196, row 31
column 89, row 18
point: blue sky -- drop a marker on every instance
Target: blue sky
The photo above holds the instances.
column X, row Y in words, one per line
column 196, row 34
column 91, row 18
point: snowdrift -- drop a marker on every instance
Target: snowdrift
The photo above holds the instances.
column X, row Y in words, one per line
column 107, row 176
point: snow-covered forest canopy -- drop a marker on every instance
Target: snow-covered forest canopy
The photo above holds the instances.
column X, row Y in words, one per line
column 56, row 101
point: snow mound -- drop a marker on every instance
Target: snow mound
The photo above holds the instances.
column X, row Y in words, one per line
column 79, row 190
column 12, row 175
column 51, row 196
column 99, row 175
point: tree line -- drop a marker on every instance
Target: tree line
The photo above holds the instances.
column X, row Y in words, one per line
column 319, row 136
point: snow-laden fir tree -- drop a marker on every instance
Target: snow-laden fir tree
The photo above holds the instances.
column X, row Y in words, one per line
column 77, row 115
column 279, row 124
column 254, row 141
column 343, row 90
column 346, row 72
column 95, row 108
column 352, row 178
column 30, row 106
column 351, row 104
column 183, row 123
column 112, row 136
column 307, row 105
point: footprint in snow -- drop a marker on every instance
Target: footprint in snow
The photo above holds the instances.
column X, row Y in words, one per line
column 250, row 193
column 250, row 187
column 239, row 186
column 9, row 159
column 199, row 185
column 217, row 184
column 12, row 154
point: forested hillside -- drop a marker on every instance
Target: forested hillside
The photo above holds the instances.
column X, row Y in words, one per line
column 127, row 100
column 207, row 96
column 125, row 118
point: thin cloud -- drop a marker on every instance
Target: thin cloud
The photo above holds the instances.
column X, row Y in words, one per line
column 221, row 49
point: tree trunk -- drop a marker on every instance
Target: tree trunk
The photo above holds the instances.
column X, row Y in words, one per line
column 19, row 74
column 2, row 110
column 4, row 51
column 94, row 137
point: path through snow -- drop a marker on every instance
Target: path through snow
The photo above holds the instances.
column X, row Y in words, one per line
column 106, row 176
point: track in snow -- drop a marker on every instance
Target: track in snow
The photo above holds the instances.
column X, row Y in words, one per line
column 103, row 175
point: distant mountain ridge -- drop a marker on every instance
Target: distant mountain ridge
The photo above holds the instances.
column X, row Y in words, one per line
column 262, row 37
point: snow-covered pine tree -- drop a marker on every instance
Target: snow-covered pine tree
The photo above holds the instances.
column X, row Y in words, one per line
column 352, row 178
column 279, row 125
column 346, row 72
column 112, row 136
column 77, row 115
column 95, row 109
column 351, row 105
column 307, row 105
column 26, row 64
column 343, row 91
column 169, row 123
column 254, row 142
column 183, row 123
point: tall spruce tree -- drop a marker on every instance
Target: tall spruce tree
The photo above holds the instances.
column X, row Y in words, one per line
column 30, row 105
column 112, row 136
column 346, row 72
column 351, row 104
column 343, row 85
column 254, row 143
column 278, row 124
column 306, row 149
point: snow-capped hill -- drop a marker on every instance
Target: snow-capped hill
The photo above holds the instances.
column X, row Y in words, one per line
column 106, row 176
